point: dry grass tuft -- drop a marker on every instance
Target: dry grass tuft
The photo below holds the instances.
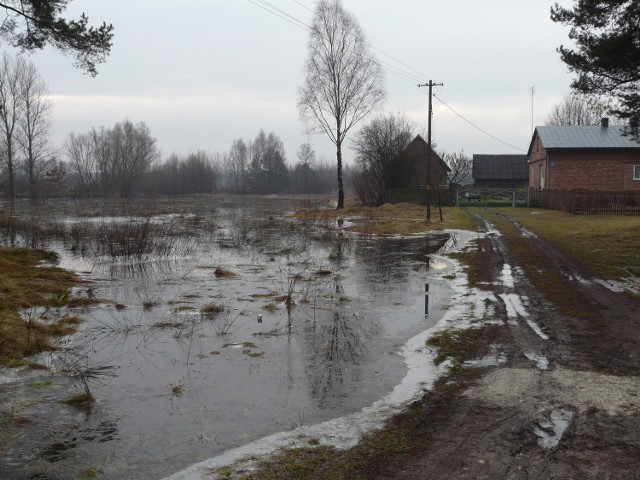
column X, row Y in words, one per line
column 81, row 400
column 396, row 219
column 26, row 285
column 223, row 273
column 212, row 309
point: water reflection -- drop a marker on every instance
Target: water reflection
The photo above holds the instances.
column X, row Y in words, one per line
column 336, row 344
column 334, row 309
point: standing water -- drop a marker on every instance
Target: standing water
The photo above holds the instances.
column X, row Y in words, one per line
column 219, row 324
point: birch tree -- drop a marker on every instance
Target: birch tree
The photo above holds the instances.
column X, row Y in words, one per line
column 34, row 125
column 11, row 70
column 343, row 83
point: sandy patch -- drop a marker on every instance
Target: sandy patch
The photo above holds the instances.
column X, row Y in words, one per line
column 534, row 390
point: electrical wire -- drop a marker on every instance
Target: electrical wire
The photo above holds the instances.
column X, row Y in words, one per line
column 292, row 20
column 302, row 5
column 399, row 72
column 411, row 75
column 476, row 126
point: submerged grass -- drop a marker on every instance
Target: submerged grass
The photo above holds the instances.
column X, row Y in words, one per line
column 608, row 245
column 26, row 284
column 81, row 401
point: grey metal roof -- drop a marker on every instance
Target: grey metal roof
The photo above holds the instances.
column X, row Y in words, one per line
column 585, row 136
column 500, row 167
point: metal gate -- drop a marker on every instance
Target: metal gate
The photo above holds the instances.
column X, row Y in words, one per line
column 492, row 197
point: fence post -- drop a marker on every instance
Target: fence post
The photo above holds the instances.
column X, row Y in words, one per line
column 513, row 198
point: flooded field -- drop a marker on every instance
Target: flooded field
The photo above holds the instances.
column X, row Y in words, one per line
column 221, row 321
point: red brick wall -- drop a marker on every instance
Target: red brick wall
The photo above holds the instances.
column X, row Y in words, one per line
column 593, row 170
column 537, row 158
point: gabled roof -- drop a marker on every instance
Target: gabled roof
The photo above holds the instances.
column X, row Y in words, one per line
column 583, row 136
column 419, row 146
column 500, row 167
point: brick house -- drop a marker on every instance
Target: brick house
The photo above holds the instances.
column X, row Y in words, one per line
column 507, row 171
column 594, row 157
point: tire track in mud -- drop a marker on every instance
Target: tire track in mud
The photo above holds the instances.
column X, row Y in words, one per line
column 568, row 400
column 515, row 296
column 565, row 407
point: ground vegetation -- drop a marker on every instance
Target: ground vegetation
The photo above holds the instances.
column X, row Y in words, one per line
column 27, row 291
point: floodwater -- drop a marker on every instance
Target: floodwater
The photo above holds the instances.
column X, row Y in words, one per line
column 243, row 322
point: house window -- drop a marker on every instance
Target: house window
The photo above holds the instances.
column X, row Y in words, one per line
column 636, row 172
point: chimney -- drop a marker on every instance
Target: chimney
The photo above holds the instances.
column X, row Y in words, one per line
column 604, row 122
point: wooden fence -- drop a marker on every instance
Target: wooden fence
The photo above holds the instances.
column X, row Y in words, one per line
column 420, row 195
column 587, row 202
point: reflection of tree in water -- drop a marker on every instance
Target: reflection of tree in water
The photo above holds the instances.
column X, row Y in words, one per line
column 337, row 343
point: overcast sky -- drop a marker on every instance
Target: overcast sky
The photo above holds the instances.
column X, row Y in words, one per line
column 201, row 73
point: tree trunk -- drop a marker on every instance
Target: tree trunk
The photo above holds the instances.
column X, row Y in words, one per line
column 340, row 185
column 10, row 170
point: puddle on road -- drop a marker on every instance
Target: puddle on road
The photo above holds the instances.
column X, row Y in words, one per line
column 541, row 361
column 550, row 430
column 176, row 384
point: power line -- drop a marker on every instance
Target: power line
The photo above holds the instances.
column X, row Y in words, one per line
column 397, row 71
column 411, row 75
column 419, row 76
column 302, row 5
column 274, row 10
column 477, row 127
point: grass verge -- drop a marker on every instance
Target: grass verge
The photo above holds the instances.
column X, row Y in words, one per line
column 545, row 277
column 27, row 285
column 607, row 245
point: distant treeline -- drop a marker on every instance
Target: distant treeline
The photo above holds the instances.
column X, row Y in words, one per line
column 124, row 161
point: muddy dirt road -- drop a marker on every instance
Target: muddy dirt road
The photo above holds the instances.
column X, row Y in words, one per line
column 559, row 397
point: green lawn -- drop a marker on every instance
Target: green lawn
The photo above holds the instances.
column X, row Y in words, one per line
column 609, row 245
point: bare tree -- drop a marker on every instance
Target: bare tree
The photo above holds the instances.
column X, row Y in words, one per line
column 461, row 166
column 111, row 161
column 378, row 147
column 79, row 150
column 133, row 151
column 238, row 166
column 268, row 170
column 344, row 82
column 303, row 174
column 11, row 71
column 34, row 125
column 576, row 109
column 306, row 155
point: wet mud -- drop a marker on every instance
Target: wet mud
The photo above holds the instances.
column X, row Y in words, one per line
column 554, row 390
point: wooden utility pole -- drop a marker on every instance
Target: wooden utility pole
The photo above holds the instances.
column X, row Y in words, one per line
column 429, row 183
